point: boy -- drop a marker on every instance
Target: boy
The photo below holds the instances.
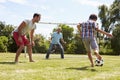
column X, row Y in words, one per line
column 55, row 41
column 87, row 32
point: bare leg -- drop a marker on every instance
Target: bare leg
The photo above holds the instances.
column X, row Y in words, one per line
column 29, row 48
column 18, row 53
column 97, row 55
column 90, row 58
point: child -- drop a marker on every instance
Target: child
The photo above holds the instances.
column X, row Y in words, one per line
column 87, row 32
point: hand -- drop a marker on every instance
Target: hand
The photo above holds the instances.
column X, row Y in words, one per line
column 110, row 35
column 78, row 27
column 33, row 44
column 19, row 39
column 64, row 42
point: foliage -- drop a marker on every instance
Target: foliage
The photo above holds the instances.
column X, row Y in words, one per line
column 110, row 15
column 115, row 11
column 106, row 51
column 2, row 25
column 80, row 49
column 109, row 18
column 71, row 48
column 40, row 44
column 104, row 17
column 6, row 30
column 67, row 32
column 3, row 43
column 116, row 40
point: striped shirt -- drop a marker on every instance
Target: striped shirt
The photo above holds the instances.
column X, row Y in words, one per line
column 88, row 29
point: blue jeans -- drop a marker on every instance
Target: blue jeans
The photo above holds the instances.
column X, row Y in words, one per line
column 58, row 46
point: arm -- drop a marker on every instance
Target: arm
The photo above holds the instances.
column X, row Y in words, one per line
column 31, row 37
column 62, row 40
column 21, row 26
column 78, row 27
column 103, row 32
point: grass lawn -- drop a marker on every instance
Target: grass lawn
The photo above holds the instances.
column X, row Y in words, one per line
column 73, row 67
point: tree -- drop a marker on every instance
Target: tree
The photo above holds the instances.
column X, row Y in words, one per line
column 67, row 32
column 80, row 49
column 116, row 40
column 104, row 17
column 115, row 11
column 7, row 31
column 110, row 15
column 109, row 19
column 3, row 43
column 2, row 25
column 40, row 44
column 71, row 48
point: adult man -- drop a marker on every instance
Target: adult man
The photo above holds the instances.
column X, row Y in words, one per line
column 55, row 41
column 20, row 36
column 88, row 36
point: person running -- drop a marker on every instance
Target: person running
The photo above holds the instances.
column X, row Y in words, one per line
column 55, row 42
column 27, row 27
column 87, row 31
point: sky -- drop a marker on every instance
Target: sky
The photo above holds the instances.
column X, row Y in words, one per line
column 63, row 11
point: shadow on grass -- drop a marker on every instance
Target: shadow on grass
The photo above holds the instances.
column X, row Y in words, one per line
column 83, row 68
column 11, row 63
column 7, row 63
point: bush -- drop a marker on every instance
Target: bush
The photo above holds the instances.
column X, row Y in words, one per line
column 3, row 43
column 71, row 48
column 116, row 40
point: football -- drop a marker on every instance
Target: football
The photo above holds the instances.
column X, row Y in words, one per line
column 98, row 62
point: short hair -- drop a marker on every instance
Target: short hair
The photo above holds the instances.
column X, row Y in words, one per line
column 36, row 15
column 59, row 28
column 93, row 16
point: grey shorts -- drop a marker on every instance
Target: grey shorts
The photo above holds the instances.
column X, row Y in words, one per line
column 90, row 43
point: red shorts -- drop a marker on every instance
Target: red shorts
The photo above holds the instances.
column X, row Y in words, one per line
column 24, row 42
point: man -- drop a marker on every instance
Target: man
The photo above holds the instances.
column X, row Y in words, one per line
column 27, row 27
column 55, row 42
column 87, row 31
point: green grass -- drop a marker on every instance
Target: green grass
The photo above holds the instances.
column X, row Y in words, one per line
column 73, row 67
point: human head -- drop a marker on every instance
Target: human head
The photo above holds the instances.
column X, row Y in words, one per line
column 93, row 17
column 59, row 29
column 36, row 17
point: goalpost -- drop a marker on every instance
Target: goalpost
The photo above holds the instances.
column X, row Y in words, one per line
column 57, row 23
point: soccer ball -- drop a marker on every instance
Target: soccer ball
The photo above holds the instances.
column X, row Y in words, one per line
column 99, row 62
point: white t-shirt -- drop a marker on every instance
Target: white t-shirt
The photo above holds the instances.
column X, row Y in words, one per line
column 29, row 26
